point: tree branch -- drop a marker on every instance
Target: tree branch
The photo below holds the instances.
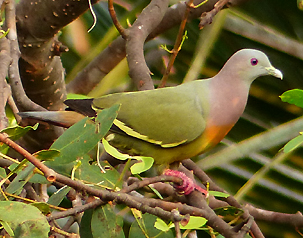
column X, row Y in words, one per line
column 136, row 35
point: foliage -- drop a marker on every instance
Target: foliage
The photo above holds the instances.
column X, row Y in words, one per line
column 22, row 220
column 295, row 97
column 254, row 168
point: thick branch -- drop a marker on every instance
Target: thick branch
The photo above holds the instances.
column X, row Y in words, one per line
column 136, row 35
column 5, row 61
column 295, row 220
column 21, row 99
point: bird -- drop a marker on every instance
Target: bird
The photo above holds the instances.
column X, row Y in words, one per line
column 171, row 124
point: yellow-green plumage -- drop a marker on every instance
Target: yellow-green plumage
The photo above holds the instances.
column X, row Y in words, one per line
column 180, row 107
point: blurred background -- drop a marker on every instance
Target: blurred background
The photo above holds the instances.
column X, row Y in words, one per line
column 254, row 144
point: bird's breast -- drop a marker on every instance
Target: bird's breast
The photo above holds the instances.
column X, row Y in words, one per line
column 227, row 109
column 213, row 134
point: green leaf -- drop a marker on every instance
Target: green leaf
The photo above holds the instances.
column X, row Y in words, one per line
column 218, row 194
column 25, row 220
column 90, row 173
column 57, row 197
column 4, row 33
column 82, row 137
column 42, row 206
column 294, row 96
column 194, row 223
column 85, row 225
column 114, row 152
column 38, row 178
column 145, row 164
column 64, row 169
column 146, row 228
column 2, row 173
column 105, row 221
column 293, row 144
column 7, row 228
column 16, row 186
column 76, row 96
column 47, row 154
column 162, row 226
column 15, row 133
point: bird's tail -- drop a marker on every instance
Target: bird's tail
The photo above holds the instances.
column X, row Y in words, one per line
column 58, row 118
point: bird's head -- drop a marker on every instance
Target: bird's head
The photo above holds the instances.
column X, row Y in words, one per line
column 250, row 64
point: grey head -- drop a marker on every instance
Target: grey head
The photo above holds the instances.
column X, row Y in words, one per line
column 249, row 64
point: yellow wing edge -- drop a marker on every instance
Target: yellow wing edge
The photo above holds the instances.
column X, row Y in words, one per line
column 129, row 131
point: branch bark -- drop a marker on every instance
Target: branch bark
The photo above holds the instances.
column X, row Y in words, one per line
column 136, row 35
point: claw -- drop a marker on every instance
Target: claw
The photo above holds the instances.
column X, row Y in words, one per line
column 188, row 185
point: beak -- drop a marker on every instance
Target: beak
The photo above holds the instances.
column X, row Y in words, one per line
column 274, row 72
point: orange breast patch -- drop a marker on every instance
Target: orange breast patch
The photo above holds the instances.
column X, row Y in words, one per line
column 213, row 135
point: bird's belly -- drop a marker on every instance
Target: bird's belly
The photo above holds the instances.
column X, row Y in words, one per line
column 210, row 137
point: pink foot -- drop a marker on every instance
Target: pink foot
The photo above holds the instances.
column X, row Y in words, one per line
column 188, row 184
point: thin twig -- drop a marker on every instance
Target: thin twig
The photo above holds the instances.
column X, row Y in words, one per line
column 177, row 45
column 177, row 225
column 148, row 181
column 113, row 15
column 48, row 173
column 61, row 232
column 75, row 210
column 33, row 201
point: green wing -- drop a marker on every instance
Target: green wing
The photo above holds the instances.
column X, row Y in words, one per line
column 167, row 116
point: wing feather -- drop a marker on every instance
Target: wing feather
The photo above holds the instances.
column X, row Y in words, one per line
column 167, row 117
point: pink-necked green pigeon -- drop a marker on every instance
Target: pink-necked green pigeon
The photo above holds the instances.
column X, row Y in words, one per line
column 174, row 123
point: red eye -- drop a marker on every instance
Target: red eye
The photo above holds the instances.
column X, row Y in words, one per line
column 254, row 61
